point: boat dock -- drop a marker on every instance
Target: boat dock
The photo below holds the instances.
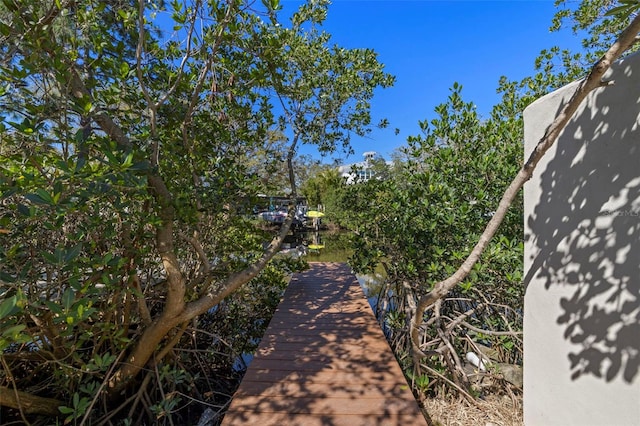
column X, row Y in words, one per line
column 324, row 361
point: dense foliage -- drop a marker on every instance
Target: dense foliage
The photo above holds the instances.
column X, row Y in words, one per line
column 134, row 136
column 422, row 219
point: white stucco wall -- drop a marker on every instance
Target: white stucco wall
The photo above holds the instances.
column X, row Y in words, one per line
column 582, row 260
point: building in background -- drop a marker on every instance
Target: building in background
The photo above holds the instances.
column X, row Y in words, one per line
column 361, row 171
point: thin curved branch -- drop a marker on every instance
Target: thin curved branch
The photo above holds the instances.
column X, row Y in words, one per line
column 172, row 343
column 490, row 332
column 112, row 413
column 626, row 39
column 143, row 308
column 504, row 318
column 466, row 394
column 236, row 280
column 139, row 49
column 185, row 58
column 197, row 246
column 9, row 375
column 102, row 386
column 457, row 320
column 195, row 96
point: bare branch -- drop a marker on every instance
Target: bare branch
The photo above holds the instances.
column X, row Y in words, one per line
column 187, row 54
column 460, row 318
column 9, row 374
column 490, row 332
column 174, row 341
column 466, row 394
column 197, row 246
column 139, row 48
column 107, row 125
column 143, row 308
column 102, row 385
column 195, row 96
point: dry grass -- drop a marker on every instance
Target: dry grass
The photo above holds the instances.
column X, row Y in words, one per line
column 493, row 411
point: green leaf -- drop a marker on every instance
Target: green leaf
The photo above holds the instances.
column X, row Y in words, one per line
column 124, row 69
column 73, row 252
column 5, row 29
column 55, row 258
column 7, row 306
column 7, row 278
column 9, row 192
column 13, row 332
column 140, row 166
column 623, row 11
column 68, row 298
column 128, row 160
column 50, row 257
column 41, row 196
column 53, row 307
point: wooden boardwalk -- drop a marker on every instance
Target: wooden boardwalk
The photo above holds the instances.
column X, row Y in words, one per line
column 324, row 361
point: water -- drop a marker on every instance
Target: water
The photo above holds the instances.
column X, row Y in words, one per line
column 335, row 247
column 323, row 246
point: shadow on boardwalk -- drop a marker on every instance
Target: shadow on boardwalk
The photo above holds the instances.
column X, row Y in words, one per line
column 324, row 361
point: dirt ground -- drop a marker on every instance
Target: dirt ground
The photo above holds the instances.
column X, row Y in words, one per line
column 493, row 411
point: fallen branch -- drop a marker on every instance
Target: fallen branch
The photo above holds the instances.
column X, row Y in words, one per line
column 462, row 391
column 593, row 81
column 29, row 403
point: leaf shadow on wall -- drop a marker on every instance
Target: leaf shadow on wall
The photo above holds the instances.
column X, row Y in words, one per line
column 586, row 229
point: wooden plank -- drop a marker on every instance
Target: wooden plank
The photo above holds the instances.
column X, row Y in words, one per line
column 324, row 361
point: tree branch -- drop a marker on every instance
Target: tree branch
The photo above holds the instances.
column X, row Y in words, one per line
column 489, row 332
column 186, row 56
column 164, row 245
column 195, row 96
column 626, row 39
column 197, row 246
column 99, row 391
column 29, row 403
column 234, row 281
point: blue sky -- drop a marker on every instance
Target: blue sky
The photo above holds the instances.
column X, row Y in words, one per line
column 428, row 45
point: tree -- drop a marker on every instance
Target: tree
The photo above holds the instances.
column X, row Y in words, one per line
column 626, row 39
column 423, row 217
column 431, row 215
column 126, row 127
column 319, row 188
